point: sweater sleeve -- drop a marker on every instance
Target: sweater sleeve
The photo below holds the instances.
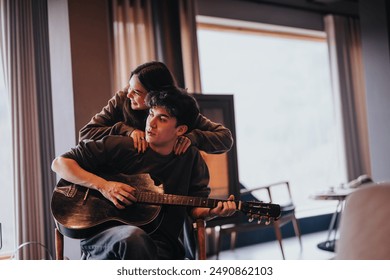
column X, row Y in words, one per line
column 110, row 120
column 109, row 154
column 210, row 137
column 200, row 177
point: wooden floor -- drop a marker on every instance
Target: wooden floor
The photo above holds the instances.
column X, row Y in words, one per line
column 271, row 250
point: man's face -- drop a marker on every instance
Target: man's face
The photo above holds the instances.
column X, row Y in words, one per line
column 137, row 94
column 161, row 130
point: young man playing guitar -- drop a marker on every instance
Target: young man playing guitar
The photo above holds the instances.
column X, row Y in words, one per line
column 171, row 114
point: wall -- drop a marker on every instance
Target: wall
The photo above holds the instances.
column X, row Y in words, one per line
column 375, row 40
column 80, row 71
column 263, row 13
column 81, row 61
column 91, row 60
column 62, row 89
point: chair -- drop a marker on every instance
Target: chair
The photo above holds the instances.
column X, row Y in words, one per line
column 199, row 241
column 364, row 227
column 266, row 194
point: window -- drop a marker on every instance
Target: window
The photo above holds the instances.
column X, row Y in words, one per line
column 286, row 124
column 7, row 191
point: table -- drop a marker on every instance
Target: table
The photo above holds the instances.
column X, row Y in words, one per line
column 339, row 194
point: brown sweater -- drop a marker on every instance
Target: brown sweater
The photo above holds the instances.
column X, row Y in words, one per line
column 117, row 118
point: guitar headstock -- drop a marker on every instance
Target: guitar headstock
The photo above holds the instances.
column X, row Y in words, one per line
column 261, row 211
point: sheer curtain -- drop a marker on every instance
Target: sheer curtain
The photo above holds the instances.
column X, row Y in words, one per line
column 142, row 31
column 189, row 43
column 344, row 42
column 4, row 42
column 133, row 39
column 23, row 47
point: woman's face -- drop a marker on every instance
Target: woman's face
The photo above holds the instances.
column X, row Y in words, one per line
column 137, row 94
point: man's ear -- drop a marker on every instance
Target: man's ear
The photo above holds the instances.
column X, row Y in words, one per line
column 181, row 129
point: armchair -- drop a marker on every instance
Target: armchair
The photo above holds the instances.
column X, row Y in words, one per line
column 364, row 229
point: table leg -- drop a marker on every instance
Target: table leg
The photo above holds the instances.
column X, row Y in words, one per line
column 329, row 244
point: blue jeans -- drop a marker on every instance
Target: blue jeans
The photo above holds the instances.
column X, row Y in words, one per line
column 122, row 242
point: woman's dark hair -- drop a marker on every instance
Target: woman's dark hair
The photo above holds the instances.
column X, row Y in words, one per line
column 178, row 104
column 154, row 75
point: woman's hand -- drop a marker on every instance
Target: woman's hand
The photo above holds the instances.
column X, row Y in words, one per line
column 139, row 140
column 181, row 145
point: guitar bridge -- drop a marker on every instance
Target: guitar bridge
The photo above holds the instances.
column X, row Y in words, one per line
column 68, row 191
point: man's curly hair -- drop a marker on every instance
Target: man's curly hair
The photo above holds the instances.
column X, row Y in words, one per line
column 177, row 102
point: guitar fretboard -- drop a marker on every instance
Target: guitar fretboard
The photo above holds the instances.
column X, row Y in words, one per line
column 155, row 198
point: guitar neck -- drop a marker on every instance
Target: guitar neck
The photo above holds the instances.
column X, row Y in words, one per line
column 179, row 200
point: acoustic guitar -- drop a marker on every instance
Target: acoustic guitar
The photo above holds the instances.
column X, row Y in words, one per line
column 81, row 212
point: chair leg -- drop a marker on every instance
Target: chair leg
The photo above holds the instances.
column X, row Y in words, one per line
column 233, row 240
column 297, row 230
column 201, row 236
column 59, row 244
column 278, row 234
column 218, row 243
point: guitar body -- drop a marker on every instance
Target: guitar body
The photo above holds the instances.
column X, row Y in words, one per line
column 80, row 212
